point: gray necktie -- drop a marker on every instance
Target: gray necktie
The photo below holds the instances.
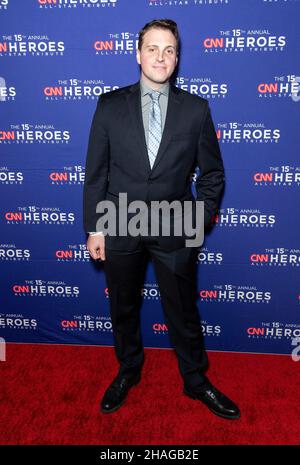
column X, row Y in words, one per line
column 154, row 136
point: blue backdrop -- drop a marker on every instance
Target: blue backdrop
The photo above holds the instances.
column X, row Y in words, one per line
column 56, row 58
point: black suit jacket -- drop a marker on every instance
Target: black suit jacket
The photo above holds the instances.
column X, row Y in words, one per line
column 117, row 159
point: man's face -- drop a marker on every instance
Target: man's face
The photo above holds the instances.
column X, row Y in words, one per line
column 158, row 57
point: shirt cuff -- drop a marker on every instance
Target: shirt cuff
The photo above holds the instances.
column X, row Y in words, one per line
column 96, row 233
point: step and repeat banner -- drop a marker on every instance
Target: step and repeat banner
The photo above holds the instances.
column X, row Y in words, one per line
column 56, row 58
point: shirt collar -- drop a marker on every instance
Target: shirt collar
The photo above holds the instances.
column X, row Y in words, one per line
column 145, row 89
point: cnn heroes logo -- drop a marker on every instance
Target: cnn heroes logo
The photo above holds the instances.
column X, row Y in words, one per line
column 116, row 43
column 244, row 218
column 203, row 86
column 17, row 321
column 276, row 257
column 247, row 132
column 86, row 323
column 44, row 288
column 33, row 214
column 240, row 40
column 11, row 252
column 31, row 44
column 282, row 176
column 274, row 330
column 67, row 175
column 76, row 89
column 232, row 293
column 9, row 176
column 206, row 256
column 25, row 133
column 279, row 87
column 73, row 253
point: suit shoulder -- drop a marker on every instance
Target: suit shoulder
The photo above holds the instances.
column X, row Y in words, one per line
column 193, row 98
column 114, row 94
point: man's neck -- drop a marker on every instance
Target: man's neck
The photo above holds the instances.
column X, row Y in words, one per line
column 154, row 86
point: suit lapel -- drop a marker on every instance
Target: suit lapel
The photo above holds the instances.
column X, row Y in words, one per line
column 170, row 128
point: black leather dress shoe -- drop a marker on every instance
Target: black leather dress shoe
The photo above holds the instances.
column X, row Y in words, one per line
column 217, row 402
column 116, row 393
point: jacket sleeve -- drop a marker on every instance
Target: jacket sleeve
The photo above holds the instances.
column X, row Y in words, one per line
column 211, row 180
column 96, row 168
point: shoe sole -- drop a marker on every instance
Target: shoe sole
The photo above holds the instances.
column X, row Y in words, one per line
column 222, row 415
column 123, row 401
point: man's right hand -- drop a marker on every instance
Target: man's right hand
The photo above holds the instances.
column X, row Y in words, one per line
column 96, row 246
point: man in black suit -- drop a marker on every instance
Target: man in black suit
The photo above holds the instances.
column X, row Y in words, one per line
column 145, row 141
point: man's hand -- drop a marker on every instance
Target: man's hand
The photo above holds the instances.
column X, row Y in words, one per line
column 96, row 246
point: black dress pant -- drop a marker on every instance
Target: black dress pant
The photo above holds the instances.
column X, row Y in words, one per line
column 176, row 276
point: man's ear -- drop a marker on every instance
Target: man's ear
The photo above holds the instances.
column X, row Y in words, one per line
column 138, row 57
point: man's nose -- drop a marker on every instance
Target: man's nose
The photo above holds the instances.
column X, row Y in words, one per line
column 160, row 55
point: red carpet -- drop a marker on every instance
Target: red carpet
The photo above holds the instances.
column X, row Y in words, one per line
column 50, row 395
